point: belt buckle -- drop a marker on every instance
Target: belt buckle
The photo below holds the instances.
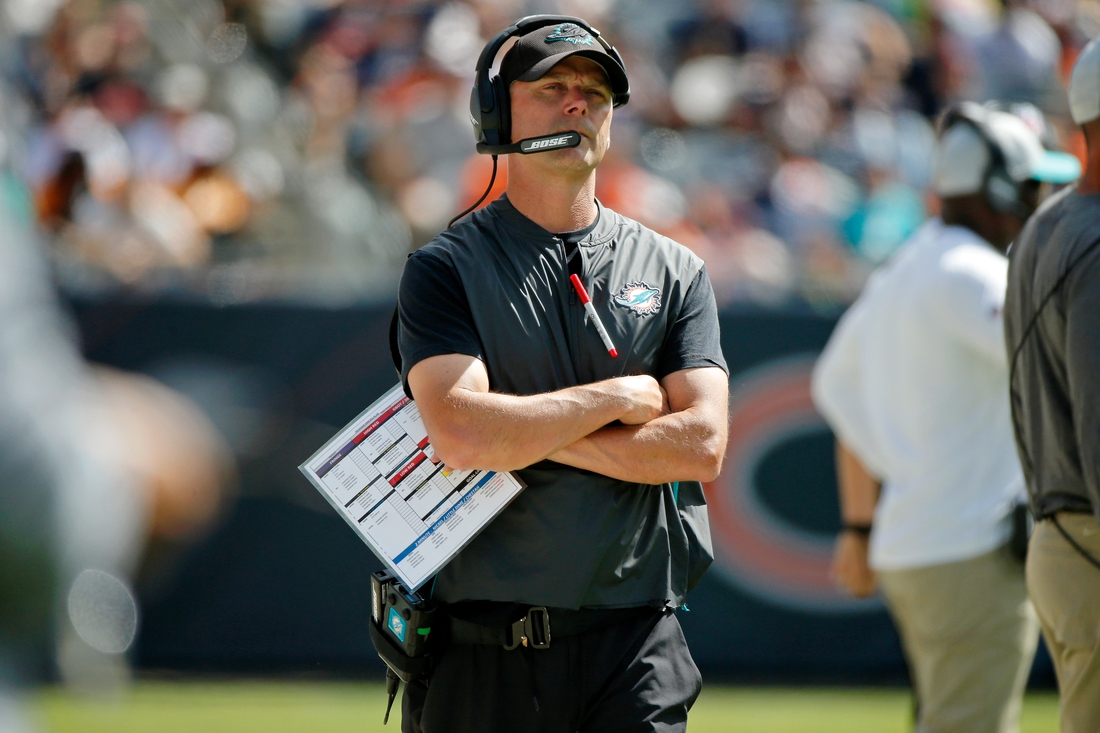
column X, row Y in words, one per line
column 532, row 630
column 536, row 625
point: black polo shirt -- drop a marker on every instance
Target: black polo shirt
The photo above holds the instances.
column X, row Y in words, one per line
column 496, row 287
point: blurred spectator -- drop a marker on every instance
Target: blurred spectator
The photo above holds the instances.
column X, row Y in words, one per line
column 1019, row 59
column 249, row 149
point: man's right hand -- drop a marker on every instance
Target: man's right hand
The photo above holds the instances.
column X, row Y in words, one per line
column 646, row 396
column 850, row 569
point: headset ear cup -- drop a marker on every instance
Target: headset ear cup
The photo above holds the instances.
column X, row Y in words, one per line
column 503, row 110
column 475, row 115
column 494, row 126
column 1003, row 195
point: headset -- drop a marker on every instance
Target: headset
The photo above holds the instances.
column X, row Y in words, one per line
column 490, row 105
column 998, row 188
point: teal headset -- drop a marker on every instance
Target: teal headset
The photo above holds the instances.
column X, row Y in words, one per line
column 490, row 105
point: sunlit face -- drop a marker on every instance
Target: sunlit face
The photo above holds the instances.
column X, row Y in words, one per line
column 574, row 95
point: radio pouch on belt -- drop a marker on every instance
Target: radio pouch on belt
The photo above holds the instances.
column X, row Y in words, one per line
column 1022, row 525
column 400, row 629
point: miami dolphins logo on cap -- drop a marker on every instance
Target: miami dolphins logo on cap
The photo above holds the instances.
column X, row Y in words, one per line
column 571, row 33
column 640, row 298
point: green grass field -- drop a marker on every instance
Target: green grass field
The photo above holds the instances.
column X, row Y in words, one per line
column 305, row 707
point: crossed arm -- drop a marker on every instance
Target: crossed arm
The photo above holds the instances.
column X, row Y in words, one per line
column 669, row 431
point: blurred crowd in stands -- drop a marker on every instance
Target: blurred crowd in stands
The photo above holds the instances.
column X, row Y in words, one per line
column 299, row 149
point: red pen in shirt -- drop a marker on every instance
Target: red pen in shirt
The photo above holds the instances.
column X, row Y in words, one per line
column 591, row 311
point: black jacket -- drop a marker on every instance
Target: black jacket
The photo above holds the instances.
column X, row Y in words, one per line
column 1052, row 331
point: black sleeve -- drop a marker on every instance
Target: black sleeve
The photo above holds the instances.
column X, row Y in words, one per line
column 433, row 314
column 694, row 340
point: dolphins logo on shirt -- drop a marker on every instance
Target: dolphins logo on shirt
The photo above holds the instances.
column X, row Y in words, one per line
column 570, row 33
column 640, row 298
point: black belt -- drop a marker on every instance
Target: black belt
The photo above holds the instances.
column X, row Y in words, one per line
column 534, row 628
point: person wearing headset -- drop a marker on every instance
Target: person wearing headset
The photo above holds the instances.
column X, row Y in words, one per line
column 1052, row 332
column 548, row 335
column 913, row 383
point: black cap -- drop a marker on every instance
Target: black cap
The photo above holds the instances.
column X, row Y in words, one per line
column 535, row 53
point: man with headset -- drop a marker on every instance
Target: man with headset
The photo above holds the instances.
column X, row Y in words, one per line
column 1052, row 331
column 913, row 383
column 611, row 415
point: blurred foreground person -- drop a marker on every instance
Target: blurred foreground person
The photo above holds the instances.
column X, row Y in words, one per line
column 1052, row 331
column 92, row 463
column 913, row 383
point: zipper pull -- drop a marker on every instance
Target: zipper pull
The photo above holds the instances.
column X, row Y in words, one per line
column 565, row 261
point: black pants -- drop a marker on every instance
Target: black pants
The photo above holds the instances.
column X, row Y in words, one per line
column 634, row 677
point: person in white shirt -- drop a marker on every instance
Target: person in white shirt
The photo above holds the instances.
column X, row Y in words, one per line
column 914, row 383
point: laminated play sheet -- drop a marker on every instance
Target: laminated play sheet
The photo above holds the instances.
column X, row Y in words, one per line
column 381, row 475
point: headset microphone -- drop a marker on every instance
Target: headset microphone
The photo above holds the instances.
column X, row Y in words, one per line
column 542, row 144
column 526, row 146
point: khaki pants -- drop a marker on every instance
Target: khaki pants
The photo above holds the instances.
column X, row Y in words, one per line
column 970, row 634
column 1066, row 592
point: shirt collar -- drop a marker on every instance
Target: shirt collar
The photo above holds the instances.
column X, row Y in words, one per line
column 606, row 223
